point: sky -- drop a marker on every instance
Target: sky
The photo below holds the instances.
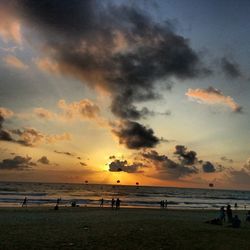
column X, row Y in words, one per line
column 155, row 92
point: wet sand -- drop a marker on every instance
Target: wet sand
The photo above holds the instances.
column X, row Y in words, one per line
column 104, row 228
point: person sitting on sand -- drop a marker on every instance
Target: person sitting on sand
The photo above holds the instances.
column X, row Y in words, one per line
column 229, row 214
column 236, row 222
column 222, row 214
column 24, row 204
column 117, row 203
column 57, row 204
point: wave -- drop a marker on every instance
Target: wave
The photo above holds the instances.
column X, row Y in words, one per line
column 14, row 193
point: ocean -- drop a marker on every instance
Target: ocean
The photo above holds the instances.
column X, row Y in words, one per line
column 46, row 194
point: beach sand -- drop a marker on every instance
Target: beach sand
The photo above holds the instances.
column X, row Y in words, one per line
column 103, row 228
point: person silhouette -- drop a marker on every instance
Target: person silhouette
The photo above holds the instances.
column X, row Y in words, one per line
column 24, row 204
column 235, row 206
column 117, row 203
column 57, row 204
column 229, row 213
column 222, row 214
column 162, row 204
column 166, row 203
column 112, row 203
column 101, row 203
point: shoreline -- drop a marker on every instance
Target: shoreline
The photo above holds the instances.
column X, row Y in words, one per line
column 51, row 206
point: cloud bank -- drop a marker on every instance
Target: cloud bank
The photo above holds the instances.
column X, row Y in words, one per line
column 17, row 163
column 123, row 166
column 44, row 160
column 112, row 48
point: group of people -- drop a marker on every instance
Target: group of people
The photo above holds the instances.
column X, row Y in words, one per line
column 234, row 221
column 164, row 204
column 224, row 214
column 114, row 203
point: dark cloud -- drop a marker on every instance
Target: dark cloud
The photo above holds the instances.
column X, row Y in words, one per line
column 66, row 153
column 166, row 168
column 113, row 48
column 17, row 163
column 83, row 164
column 123, row 166
column 153, row 155
column 4, row 134
column 44, row 160
column 224, row 158
column 208, row 167
column 29, row 136
column 135, row 136
column 173, row 170
column 112, row 157
column 26, row 137
column 186, row 157
column 231, row 69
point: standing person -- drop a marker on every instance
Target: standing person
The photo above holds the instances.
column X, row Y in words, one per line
column 73, row 204
column 162, row 204
column 229, row 214
column 24, row 204
column 112, row 203
column 235, row 206
column 166, row 203
column 222, row 214
column 102, row 201
column 117, row 203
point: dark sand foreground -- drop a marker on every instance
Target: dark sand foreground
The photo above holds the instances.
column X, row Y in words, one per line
column 96, row 228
